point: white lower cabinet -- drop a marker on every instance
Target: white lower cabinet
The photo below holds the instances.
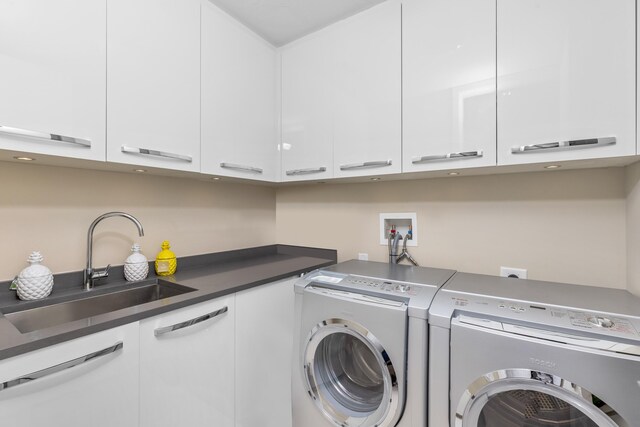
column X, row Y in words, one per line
column 89, row 381
column 187, row 366
column 264, row 347
column 223, row 363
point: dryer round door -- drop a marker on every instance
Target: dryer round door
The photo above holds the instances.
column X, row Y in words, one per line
column 526, row 398
column 349, row 375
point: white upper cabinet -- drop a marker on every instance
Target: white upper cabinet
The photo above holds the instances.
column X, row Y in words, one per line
column 341, row 98
column 566, row 80
column 307, row 130
column 153, row 87
column 52, row 77
column 239, row 109
column 366, row 88
column 449, row 84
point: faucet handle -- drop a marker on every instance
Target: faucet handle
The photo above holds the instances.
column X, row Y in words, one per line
column 99, row 274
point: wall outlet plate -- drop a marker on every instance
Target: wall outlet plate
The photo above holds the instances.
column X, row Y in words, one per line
column 402, row 221
column 516, row 273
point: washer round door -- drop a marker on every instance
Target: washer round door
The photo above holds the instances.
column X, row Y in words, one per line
column 526, row 398
column 349, row 375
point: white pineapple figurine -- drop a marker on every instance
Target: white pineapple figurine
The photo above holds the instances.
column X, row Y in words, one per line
column 136, row 266
column 35, row 281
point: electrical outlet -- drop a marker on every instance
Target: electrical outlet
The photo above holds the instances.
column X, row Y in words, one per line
column 515, row 273
column 363, row 257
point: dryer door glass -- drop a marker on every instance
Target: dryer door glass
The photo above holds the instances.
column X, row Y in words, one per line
column 350, row 372
column 350, row 376
column 528, row 408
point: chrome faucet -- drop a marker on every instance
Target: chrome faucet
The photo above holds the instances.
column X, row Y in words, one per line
column 89, row 274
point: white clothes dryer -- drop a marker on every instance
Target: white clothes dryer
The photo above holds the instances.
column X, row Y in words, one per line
column 360, row 347
column 523, row 353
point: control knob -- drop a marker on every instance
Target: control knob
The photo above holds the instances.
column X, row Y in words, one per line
column 403, row 288
column 602, row 322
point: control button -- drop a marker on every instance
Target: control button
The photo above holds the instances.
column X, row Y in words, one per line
column 521, row 309
column 602, row 322
column 403, row 288
column 502, row 306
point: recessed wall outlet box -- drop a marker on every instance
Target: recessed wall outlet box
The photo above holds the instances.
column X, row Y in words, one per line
column 515, row 273
column 402, row 223
column 363, row 257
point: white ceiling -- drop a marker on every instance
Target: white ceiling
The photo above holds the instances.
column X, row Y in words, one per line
column 282, row 21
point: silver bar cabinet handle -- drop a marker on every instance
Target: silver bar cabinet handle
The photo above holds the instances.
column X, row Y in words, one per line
column 61, row 367
column 48, row 136
column 187, row 323
column 448, row 156
column 306, row 171
column 240, row 167
column 577, row 143
column 149, row 152
column 375, row 164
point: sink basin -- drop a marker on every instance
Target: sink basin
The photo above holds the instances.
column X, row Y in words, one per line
column 34, row 319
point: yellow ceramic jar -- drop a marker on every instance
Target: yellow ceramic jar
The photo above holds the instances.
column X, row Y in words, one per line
column 166, row 262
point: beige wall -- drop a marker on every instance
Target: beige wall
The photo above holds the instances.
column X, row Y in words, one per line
column 633, row 228
column 566, row 226
column 49, row 209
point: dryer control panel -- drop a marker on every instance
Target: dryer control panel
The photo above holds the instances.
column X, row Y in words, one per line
column 368, row 284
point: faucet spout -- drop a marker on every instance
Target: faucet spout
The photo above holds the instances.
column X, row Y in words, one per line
column 89, row 274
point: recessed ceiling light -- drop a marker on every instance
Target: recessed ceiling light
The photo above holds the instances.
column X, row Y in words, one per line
column 454, row 173
column 25, row 159
column 376, row 179
column 552, row 167
column 140, row 170
column 216, row 178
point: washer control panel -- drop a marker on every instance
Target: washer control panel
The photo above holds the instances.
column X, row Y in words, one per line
column 549, row 315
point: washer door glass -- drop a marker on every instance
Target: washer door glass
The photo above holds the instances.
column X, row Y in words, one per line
column 529, row 408
column 350, row 376
column 526, row 398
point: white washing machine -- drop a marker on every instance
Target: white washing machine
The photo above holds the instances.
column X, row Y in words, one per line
column 360, row 347
column 522, row 353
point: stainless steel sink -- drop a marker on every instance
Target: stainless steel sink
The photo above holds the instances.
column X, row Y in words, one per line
column 34, row 319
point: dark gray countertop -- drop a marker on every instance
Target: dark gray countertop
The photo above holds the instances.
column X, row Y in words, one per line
column 211, row 275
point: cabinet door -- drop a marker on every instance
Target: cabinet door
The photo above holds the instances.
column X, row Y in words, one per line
column 307, row 129
column 90, row 381
column 566, row 80
column 367, row 92
column 239, row 125
column 53, row 77
column 449, row 84
column 187, row 366
column 153, row 88
column 264, row 348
